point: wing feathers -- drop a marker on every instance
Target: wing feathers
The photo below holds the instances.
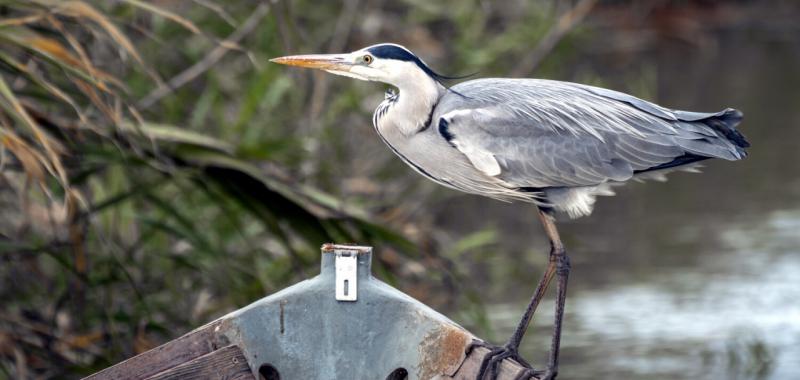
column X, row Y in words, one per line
column 540, row 134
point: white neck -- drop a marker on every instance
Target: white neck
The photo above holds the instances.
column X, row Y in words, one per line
column 418, row 94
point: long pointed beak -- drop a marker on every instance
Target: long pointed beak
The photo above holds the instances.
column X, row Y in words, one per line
column 334, row 62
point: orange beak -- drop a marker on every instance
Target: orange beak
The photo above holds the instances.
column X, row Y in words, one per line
column 327, row 62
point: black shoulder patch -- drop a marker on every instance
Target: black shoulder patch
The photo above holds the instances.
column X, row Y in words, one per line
column 445, row 131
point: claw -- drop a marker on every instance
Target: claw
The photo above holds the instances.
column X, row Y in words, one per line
column 477, row 343
column 490, row 364
column 527, row 374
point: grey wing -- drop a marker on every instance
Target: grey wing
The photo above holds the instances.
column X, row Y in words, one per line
column 538, row 133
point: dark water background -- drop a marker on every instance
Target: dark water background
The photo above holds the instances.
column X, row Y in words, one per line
column 698, row 277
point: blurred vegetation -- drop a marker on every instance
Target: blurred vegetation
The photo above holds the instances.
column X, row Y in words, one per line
column 156, row 172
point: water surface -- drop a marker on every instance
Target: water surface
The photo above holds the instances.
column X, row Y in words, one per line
column 695, row 278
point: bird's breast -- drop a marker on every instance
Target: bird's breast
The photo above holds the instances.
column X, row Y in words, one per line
column 390, row 98
column 434, row 158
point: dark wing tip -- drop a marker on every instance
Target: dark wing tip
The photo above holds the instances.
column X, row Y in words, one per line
column 731, row 116
column 685, row 159
column 734, row 113
column 725, row 122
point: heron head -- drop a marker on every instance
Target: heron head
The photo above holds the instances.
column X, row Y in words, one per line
column 387, row 63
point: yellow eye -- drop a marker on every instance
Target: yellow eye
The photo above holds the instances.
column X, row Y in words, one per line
column 367, row 59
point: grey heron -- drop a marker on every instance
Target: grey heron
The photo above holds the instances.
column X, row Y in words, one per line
column 555, row 144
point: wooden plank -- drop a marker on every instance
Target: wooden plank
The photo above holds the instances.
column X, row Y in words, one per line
column 469, row 368
column 226, row 363
column 190, row 346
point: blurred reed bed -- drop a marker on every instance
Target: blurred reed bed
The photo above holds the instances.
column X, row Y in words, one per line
column 156, row 173
column 121, row 229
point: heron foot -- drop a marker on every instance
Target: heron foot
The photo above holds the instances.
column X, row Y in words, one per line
column 490, row 364
column 530, row 373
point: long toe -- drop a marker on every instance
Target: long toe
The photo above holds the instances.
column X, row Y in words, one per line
column 528, row 374
column 491, row 362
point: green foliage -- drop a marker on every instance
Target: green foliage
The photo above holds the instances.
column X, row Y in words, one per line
column 137, row 205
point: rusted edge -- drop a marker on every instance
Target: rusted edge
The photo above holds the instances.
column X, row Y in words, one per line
column 359, row 249
column 442, row 351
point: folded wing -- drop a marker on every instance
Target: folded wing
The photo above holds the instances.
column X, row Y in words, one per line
column 539, row 133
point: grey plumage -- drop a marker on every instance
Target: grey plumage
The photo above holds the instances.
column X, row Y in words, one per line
column 559, row 143
column 556, row 144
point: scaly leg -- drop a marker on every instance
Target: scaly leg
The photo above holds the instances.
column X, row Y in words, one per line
column 558, row 264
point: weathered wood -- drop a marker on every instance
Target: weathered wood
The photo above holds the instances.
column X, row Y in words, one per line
column 225, row 363
column 472, row 364
column 190, row 346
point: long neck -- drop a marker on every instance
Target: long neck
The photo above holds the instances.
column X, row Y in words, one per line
column 411, row 111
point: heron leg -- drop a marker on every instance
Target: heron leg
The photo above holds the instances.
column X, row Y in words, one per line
column 558, row 255
column 558, row 265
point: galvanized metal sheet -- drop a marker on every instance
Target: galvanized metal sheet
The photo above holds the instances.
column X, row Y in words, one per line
column 304, row 332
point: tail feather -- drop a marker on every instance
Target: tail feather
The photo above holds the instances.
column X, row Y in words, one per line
column 725, row 123
column 724, row 142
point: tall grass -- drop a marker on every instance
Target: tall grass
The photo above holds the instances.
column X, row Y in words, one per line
column 156, row 173
column 111, row 221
